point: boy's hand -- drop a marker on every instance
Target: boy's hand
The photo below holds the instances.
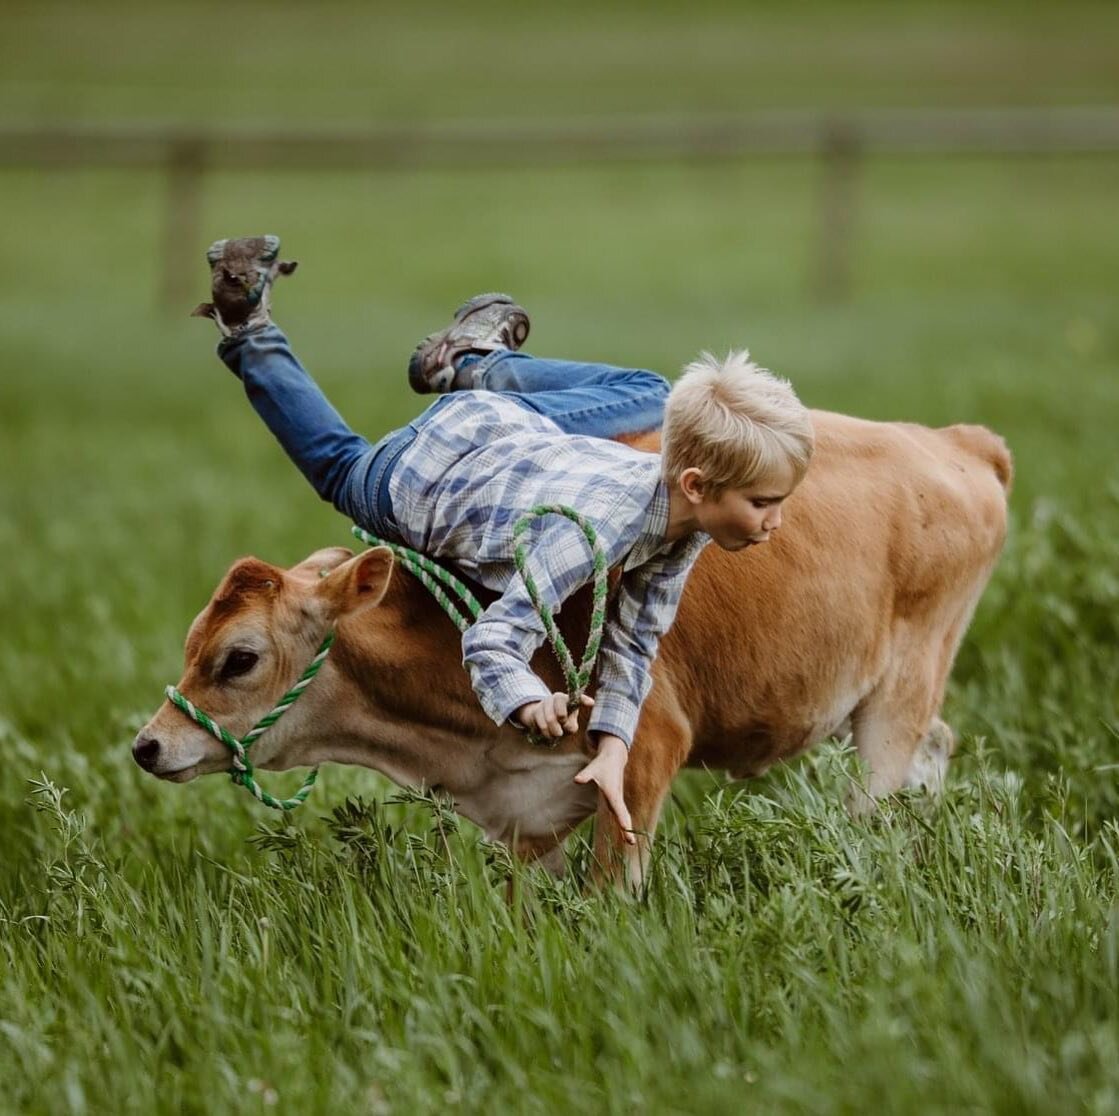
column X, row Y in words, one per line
column 607, row 770
column 550, row 716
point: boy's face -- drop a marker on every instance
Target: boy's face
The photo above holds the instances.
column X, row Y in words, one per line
column 742, row 517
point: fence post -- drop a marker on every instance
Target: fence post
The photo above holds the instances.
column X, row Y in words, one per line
column 182, row 224
column 840, row 158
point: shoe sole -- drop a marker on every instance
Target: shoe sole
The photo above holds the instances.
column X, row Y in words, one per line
column 518, row 326
column 235, row 303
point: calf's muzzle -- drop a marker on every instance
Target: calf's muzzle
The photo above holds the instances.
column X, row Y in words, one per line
column 145, row 751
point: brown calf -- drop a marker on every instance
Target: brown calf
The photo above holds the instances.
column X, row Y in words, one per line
column 848, row 620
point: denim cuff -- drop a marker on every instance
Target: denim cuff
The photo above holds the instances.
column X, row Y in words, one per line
column 480, row 365
column 228, row 347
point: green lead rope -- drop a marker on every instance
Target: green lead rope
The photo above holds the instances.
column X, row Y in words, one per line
column 437, row 581
column 433, row 577
column 577, row 677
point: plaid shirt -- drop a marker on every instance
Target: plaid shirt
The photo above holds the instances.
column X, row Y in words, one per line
column 478, row 462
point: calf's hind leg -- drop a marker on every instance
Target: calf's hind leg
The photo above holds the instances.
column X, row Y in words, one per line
column 897, row 730
column 930, row 761
column 891, row 726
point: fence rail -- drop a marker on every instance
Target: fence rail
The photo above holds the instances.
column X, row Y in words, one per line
column 838, row 139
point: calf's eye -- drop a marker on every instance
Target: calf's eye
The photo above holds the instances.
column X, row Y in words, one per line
column 238, row 662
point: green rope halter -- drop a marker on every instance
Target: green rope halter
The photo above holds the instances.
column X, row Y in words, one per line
column 242, row 769
column 437, row 581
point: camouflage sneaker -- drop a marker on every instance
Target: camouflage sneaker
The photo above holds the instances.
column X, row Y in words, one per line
column 483, row 324
column 241, row 275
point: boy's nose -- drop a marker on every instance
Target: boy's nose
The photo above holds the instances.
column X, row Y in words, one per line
column 773, row 520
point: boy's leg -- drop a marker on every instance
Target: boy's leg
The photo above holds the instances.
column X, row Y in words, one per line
column 341, row 465
column 581, row 398
column 478, row 350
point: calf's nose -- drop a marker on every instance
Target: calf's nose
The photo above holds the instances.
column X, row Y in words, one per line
column 146, row 752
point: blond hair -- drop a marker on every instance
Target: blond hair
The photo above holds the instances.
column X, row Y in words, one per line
column 737, row 423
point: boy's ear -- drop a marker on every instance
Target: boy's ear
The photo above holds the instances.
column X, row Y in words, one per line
column 692, row 485
column 357, row 584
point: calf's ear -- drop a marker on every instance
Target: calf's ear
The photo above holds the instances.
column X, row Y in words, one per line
column 357, row 584
column 322, row 562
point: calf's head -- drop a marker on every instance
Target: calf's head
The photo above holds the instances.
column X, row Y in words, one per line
column 247, row 647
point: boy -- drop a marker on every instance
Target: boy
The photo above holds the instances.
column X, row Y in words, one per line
column 509, row 432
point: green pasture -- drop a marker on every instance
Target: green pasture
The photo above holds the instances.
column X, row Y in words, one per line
column 177, row 949
column 278, row 61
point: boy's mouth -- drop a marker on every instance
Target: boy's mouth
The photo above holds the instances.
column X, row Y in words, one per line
column 743, row 544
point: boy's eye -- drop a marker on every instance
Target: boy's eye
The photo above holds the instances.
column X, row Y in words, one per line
column 238, row 662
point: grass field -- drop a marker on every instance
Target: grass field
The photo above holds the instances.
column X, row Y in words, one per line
column 170, row 949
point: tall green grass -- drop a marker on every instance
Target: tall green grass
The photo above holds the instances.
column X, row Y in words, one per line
column 782, row 959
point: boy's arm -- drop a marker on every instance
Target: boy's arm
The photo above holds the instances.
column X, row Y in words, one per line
column 643, row 610
column 498, row 647
column 496, row 650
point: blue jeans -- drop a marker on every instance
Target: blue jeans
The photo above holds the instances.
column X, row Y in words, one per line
column 352, row 474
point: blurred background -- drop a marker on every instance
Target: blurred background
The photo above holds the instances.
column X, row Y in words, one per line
column 910, row 210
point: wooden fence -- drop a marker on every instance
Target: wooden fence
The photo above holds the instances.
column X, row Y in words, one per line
column 839, row 141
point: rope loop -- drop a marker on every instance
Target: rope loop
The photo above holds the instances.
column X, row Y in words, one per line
column 438, row 581
column 577, row 677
